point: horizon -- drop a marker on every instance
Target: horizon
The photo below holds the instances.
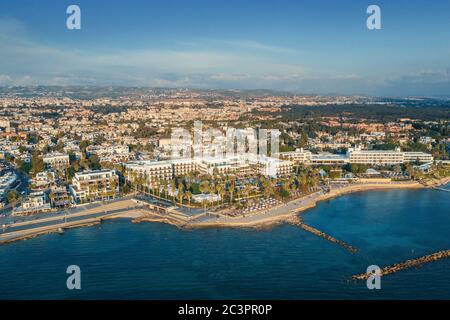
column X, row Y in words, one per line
column 321, row 48
column 236, row 90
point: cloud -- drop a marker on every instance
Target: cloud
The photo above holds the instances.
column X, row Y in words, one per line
column 20, row 57
column 215, row 63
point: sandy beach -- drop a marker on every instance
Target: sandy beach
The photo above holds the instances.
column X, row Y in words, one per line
column 285, row 212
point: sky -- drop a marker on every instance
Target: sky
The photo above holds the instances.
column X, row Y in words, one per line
column 320, row 46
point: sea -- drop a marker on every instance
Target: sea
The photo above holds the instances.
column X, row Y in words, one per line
column 119, row 259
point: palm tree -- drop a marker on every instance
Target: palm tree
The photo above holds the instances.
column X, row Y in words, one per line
column 180, row 193
column 134, row 180
column 188, row 185
column 113, row 186
column 153, row 184
column 158, row 187
column 188, row 196
column 212, row 190
column 92, row 191
column 231, row 188
column 172, row 188
column 221, row 191
column 303, row 181
column 204, row 187
column 165, row 188
column 248, row 189
column 239, row 193
column 292, row 184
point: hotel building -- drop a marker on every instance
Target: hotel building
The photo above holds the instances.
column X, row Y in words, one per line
column 357, row 156
column 329, row 159
column 155, row 171
column 418, row 156
column 375, row 157
column 299, row 155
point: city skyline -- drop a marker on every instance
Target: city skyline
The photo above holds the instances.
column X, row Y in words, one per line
column 320, row 47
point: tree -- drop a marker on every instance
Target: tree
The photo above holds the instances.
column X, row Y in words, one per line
column 204, row 188
column 37, row 164
column 303, row 140
column 231, row 187
column 12, row 197
column 221, row 191
column 211, row 190
column 180, row 192
column 165, row 188
column 113, row 186
column 188, row 196
column 410, row 170
column 172, row 189
column 94, row 162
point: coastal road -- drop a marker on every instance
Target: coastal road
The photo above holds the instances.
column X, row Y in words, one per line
column 87, row 216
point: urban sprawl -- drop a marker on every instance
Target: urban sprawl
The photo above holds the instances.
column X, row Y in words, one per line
column 60, row 150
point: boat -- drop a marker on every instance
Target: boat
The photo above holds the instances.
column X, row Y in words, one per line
column 60, row 230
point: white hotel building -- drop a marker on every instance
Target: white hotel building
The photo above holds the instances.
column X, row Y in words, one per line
column 375, row 157
column 155, row 171
column 418, row 156
column 357, row 156
column 299, row 155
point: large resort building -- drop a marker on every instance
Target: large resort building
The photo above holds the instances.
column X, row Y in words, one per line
column 357, row 156
column 94, row 185
column 375, row 157
column 156, row 171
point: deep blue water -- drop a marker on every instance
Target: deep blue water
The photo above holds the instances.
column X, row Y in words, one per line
column 123, row 260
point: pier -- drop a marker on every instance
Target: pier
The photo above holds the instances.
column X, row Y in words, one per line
column 407, row 264
column 298, row 222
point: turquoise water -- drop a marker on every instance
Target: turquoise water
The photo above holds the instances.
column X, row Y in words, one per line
column 123, row 260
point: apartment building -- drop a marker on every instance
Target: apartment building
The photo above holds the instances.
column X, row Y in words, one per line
column 105, row 150
column 94, row 185
column 56, row 161
column 7, row 182
column 35, row 202
column 43, row 180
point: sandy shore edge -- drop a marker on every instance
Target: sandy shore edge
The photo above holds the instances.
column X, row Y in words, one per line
column 268, row 222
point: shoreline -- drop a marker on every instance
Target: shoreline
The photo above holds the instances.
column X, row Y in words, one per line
column 308, row 202
column 260, row 221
